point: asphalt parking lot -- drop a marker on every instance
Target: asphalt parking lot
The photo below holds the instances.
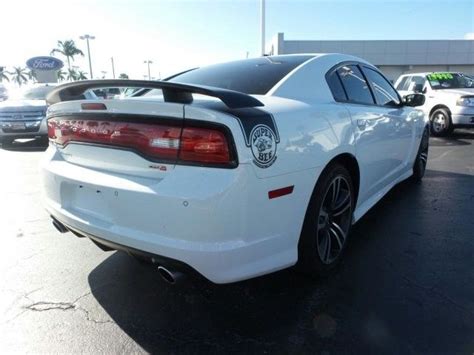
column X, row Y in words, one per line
column 406, row 285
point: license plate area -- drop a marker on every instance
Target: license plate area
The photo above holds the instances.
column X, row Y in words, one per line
column 17, row 126
column 87, row 200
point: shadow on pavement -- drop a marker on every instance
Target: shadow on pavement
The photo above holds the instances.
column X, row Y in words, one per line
column 30, row 145
column 404, row 286
column 458, row 137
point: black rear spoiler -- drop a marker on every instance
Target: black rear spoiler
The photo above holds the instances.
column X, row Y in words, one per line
column 172, row 92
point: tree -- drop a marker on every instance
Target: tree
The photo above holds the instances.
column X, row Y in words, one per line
column 32, row 75
column 81, row 75
column 68, row 49
column 19, row 75
column 123, row 76
column 71, row 75
column 3, row 74
column 61, row 75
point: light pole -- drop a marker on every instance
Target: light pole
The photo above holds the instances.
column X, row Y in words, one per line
column 113, row 66
column 87, row 38
column 262, row 26
column 148, row 62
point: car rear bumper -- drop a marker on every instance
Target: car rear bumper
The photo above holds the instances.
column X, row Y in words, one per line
column 219, row 222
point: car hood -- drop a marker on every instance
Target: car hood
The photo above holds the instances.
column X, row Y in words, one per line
column 22, row 105
column 469, row 91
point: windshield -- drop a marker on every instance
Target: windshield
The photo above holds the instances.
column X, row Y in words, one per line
column 440, row 81
column 36, row 93
column 253, row 76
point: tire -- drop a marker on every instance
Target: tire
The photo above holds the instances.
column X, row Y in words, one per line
column 327, row 222
column 419, row 166
column 440, row 123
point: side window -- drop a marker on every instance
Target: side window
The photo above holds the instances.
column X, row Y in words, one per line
column 356, row 87
column 336, row 87
column 385, row 94
column 417, row 84
column 402, row 83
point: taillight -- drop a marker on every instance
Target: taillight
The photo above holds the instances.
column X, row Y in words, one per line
column 204, row 145
column 161, row 142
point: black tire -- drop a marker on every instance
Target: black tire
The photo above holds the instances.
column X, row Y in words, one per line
column 440, row 123
column 419, row 166
column 314, row 258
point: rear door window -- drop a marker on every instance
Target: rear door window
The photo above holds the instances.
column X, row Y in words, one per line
column 355, row 85
column 336, row 87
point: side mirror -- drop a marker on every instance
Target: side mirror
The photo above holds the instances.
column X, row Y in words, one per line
column 414, row 100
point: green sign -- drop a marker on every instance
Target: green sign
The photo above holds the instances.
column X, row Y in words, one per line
column 440, row 76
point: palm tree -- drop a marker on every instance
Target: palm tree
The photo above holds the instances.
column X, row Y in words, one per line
column 123, row 76
column 71, row 75
column 19, row 75
column 68, row 49
column 3, row 74
column 61, row 75
column 31, row 75
column 81, row 75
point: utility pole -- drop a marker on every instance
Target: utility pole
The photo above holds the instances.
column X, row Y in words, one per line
column 262, row 26
column 113, row 67
column 87, row 38
column 148, row 62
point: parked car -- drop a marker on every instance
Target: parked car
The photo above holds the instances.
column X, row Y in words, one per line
column 23, row 115
column 449, row 98
column 237, row 169
column 3, row 92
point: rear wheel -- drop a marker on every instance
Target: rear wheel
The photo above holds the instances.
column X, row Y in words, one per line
column 441, row 124
column 327, row 222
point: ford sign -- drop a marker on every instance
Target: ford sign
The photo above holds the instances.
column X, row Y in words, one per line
column 44, row 63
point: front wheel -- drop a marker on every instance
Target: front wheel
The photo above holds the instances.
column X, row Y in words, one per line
column 419, row 166
column 327, row 222
column 441, row 124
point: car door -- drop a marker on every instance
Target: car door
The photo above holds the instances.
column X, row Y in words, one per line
column 388, row 104
column 376, row 131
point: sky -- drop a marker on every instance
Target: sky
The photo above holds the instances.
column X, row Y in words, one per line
column 181, row 34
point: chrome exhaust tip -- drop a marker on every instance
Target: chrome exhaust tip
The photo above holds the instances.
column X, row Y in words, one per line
column 171, row 277
column 59, row 226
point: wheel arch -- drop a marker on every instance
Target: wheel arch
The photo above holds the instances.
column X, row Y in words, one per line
column 438, row 106
column 349, row 161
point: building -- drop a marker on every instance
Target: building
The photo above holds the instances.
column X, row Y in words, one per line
column 392, row 57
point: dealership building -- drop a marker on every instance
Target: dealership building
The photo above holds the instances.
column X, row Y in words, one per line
column 392, row 57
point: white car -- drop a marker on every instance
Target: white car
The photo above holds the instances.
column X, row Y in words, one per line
column 239, row 170
column 449, row 98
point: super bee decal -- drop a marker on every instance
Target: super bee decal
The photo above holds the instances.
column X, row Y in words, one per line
column 261, row 134
column 263, row 145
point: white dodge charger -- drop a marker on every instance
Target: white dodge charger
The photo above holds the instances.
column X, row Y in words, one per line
column 233, row 170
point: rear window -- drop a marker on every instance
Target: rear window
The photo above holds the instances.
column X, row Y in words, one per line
column 252, row 76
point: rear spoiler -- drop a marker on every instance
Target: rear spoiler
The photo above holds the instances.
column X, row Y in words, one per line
column 172, row 92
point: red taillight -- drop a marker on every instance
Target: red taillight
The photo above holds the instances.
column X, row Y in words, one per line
column 204, row 145
column 195, row 145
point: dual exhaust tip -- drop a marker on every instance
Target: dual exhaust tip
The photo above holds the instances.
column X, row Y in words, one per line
column 169, row 276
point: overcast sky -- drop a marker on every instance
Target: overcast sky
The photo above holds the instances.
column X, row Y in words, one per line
column 180, row 34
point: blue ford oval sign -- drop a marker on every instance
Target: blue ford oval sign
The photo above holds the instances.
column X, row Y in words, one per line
column 44, row 63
